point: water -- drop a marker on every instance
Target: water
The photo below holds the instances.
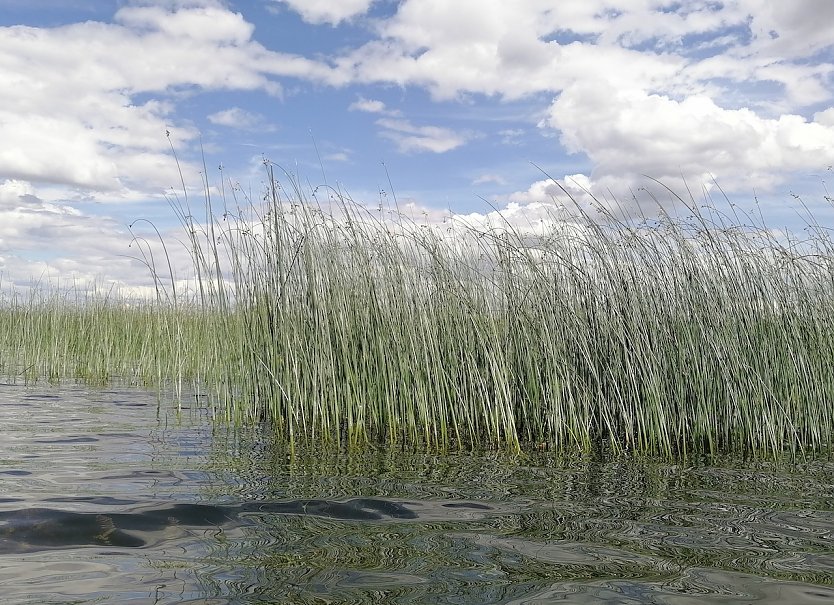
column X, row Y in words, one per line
column 111, row 497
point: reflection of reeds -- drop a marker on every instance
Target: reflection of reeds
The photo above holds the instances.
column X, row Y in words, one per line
column 492, row 525
column 706, row 334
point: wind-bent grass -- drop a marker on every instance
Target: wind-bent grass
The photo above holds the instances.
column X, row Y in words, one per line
column 688, row 337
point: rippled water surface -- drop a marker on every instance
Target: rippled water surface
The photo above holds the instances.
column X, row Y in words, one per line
column 111, row 497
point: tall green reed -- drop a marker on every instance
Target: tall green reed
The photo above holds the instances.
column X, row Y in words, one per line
column 688, row 336
column 98, row 337
column 339, row 323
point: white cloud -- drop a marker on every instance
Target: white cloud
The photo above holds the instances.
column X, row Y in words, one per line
column 522, row 48
column 511, row 136
column 338, row 156
column 372, row 106
column 826, row 117
column 88, row 130
column 81, row 247
column 529, row 218
column 489, row 178
column 495, row 48
column 544, row 190
column 411, row 138
column 198, row 23
column 235, row 117
column 328, row 11
column 729, row 106
column 794, row 29
column 631, row 132
column 368, row 106
column 628, row 90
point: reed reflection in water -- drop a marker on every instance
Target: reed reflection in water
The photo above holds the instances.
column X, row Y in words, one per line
column 111, row 496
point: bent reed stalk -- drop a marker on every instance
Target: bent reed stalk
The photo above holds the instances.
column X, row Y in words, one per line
column 690, row 336
column 672, row 337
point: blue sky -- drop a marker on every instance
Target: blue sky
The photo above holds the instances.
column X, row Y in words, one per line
column 459, row 100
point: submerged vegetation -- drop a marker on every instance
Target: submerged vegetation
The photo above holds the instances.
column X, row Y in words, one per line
column 667, row 336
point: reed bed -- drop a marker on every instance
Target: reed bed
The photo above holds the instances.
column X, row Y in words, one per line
column 674, row 337
column 97, row 338
column 677, row 337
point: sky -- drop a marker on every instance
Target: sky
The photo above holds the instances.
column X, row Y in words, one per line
column 468, row 108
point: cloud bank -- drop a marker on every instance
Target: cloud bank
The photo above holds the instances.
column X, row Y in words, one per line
column 741, row 91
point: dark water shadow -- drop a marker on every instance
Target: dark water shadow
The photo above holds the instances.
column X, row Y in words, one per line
column 42, row 528
column 67, row 440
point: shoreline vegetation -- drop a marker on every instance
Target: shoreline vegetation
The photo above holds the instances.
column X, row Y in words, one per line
column 663, row 336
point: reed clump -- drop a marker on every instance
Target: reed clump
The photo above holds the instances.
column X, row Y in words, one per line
column 339, row 323
column 675, row 337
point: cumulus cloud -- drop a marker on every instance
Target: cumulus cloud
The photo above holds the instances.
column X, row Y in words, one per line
column 68, row 105
column 453, row 49
column 633, row 132
column 328, row 11
column 198, row 23
column 789, row 29
column 695, row 89
column 518, row 49
column 88, row 113
column 495, row 48
column 826, row 118
column 82, row 249
column 655, row 87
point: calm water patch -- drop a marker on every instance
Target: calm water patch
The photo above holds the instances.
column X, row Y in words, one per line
column 109, row 496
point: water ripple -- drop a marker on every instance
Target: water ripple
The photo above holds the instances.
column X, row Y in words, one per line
column 111, row 496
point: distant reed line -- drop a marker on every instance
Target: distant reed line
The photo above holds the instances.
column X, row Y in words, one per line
column 670, row 337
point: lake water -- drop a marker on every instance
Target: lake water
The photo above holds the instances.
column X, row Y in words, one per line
column 109, row 496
